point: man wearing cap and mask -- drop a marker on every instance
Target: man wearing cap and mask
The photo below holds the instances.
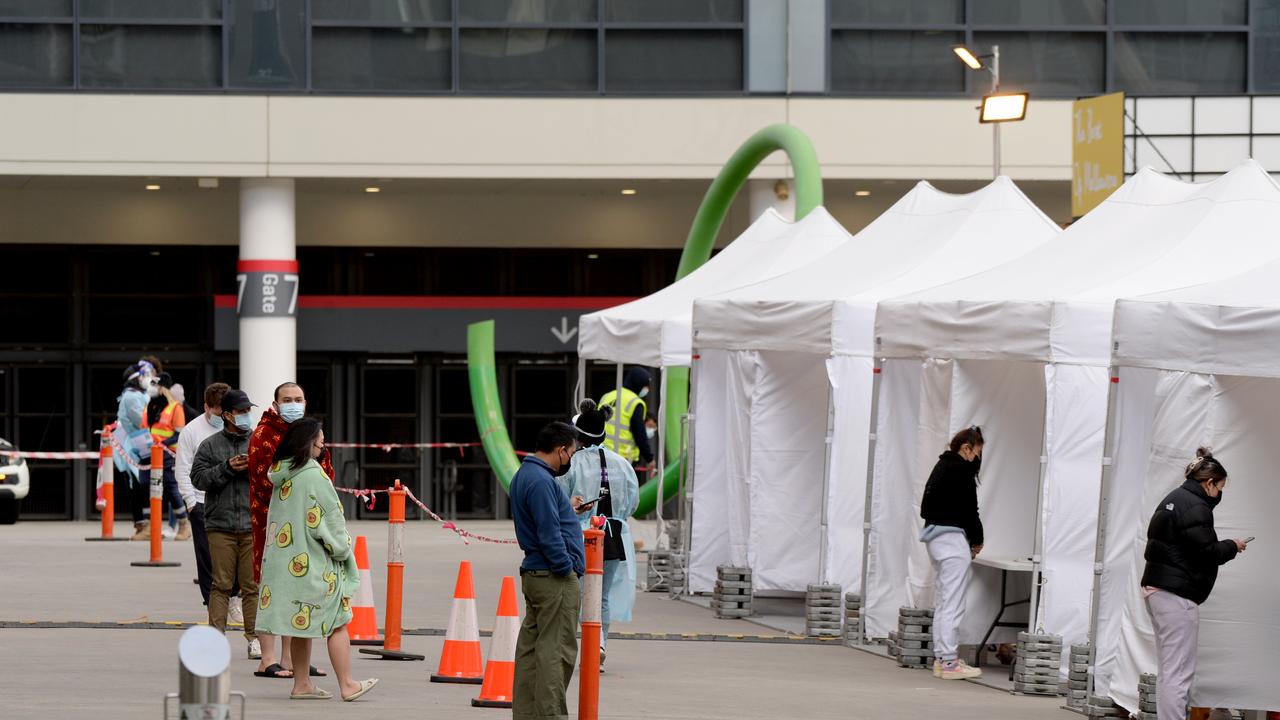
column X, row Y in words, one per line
column 288, row 405
column 221, row 469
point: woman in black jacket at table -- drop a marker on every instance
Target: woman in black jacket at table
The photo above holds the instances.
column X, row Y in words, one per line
column 953, row 534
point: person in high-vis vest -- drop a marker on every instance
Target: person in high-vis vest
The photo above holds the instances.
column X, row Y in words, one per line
column 625, row 433
column 165, row 418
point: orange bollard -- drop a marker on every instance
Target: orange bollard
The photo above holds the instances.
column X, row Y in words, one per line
column 592, row 599
column 107, row 471
column 460, row 660
column 395, row 580
column 157, row 511
column 500, row 672
column 363, row 627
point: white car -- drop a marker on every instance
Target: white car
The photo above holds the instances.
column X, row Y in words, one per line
column 15, row 482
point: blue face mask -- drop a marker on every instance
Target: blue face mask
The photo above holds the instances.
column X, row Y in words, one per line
column 644, row 393
column 292, row 412
column 216, row 422
column 244, row 422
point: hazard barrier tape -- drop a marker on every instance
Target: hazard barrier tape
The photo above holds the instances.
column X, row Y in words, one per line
column 369, row 496
column 120, row 451
column 76, row 455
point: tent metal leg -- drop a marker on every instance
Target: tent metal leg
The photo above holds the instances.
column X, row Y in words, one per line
column 1033, row 612
column 823, row 558
column 662, row 455
column 1099, row 556
column 871, row 467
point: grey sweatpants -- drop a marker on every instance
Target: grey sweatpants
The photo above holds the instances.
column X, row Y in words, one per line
column 1176, row 621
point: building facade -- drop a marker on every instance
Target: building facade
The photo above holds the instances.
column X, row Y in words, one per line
column 427, row 163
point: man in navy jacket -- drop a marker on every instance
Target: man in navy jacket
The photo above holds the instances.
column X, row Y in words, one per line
column 554, row 559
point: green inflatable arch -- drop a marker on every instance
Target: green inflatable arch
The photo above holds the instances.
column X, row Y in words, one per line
column 697, row 250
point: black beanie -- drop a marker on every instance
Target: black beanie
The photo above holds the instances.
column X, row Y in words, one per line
column 590, row 421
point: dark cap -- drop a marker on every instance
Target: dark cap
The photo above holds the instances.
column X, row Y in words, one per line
column 236, row 400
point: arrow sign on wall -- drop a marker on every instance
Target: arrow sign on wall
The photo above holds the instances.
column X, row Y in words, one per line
column 564, row 333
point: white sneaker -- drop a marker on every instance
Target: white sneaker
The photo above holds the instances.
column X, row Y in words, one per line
column 255, row 649
column 958, row 670
column 168, row 533
column 235, row 611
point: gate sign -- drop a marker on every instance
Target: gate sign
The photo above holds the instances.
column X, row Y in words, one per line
column 1097, row 150
column 267, row 288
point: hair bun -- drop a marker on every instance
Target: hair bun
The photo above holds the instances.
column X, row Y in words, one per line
column 1205, row 453
column 587, row 405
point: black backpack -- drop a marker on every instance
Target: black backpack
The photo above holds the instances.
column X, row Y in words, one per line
column 614, row 546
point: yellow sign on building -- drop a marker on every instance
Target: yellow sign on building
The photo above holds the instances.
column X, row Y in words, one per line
column 1097, row 150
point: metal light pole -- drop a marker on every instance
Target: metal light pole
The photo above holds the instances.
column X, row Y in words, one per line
column 995, row 127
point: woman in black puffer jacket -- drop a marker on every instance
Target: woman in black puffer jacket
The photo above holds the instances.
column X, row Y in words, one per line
column 1183, row 554
column 953, row 535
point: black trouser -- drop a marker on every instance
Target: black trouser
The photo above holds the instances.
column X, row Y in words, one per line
column 204, row 565
column 139, row 494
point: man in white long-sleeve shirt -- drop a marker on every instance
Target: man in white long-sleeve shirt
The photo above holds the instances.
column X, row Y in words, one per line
column 208, row 423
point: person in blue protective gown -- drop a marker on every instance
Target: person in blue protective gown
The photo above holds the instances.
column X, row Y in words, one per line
column 132, row 441
column 598, row 472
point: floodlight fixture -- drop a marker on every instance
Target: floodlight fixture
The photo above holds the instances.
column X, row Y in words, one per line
column 1003, row 107
column 967, row 56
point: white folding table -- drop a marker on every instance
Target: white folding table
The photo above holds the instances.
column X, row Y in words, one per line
column 1005, row 565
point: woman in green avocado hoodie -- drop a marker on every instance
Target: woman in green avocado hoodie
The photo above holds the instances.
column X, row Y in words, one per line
column 309, row 574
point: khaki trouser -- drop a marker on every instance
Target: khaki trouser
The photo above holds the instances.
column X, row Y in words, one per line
column 547, row 648
column 232, row 558
column 1176, row 622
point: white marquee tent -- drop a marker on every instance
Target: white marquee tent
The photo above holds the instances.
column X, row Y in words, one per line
column 1023, row 351
column 1198, row 367
column 776, row 355
column 655, row 330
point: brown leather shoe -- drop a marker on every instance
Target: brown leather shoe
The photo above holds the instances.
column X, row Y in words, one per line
column 142, row 531
column 184, row 530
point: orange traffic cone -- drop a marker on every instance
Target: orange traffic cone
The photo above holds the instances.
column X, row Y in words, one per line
column 363, row 628
column 500, row 671
column 460, row 660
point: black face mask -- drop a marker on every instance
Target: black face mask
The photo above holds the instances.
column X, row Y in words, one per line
column 564, row 467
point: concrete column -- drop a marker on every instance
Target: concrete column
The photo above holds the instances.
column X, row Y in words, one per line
column 763, row 194
column 268, row 288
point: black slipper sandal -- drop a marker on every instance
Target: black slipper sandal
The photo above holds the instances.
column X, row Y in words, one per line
column 273, row 671
column 317, row 672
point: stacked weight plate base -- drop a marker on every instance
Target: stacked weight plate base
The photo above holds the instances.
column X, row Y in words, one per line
column 1037, row 663
column 914, row 639
column 1078, row 677
column 1146, row 697
column 852, row 619
column 732, row 598
column 823, row 615
column 666, row 571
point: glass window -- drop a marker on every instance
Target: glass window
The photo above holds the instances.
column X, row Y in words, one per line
column 388, row 11
column 380, row 59
column 42, row 390
column 320, row 271
column 151, row 9
column 541, row 391
column 673, row 60
column 904, row 12
column 1047, row 64
column 1179, row 63
column 1038, row 12
column 150, row 57
column 35, row 8
column 315, row 386
column 673, row 11
column 469, row 272
column 897, row 62
column 146, row 320
column 527, row 11
column 42, row 433
column 543, row 273
column 268, row 44
column 35, row 320
column 528, row 60
column 616, row 273
column 391, row 272
column 399, row 430
column 1181, row 12
column 390, row 389
column 35, row 56
column 1266, row 45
